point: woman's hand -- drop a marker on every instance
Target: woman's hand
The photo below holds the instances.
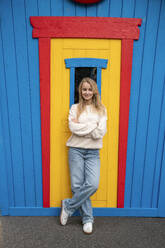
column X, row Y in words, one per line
column 75, row 120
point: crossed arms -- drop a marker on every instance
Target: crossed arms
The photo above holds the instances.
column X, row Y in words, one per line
column 95, row 130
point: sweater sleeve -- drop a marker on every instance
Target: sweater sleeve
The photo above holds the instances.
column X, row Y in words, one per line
column 101, row 128
column 80, row 129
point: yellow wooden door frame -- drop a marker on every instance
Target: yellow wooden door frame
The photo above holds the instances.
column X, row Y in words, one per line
column 106, row 196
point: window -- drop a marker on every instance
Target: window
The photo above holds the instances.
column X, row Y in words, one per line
column 84, row 67
column 80, row 73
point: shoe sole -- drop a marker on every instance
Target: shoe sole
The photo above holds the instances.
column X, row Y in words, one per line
column 88, row 233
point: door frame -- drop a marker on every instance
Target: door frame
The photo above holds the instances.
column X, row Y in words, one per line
column 125, row 29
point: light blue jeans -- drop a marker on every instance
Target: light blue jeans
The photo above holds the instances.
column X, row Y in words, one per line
column 84, row 167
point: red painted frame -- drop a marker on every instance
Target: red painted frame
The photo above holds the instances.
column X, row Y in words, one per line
column 125, row 29
column 44, row 58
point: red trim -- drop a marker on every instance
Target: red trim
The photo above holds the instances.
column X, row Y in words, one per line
column 125, row 84
column 85, row 27
column 44, row 62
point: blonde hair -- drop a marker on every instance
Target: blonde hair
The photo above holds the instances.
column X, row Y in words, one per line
column 96, row 102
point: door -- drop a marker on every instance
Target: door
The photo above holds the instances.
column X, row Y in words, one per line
column 62, row 49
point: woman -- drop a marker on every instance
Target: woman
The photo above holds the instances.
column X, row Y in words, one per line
column 87, row 122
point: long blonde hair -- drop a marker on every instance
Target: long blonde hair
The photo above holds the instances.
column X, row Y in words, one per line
column 96, row 102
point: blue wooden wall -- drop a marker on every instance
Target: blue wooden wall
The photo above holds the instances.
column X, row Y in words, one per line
column 20, row 134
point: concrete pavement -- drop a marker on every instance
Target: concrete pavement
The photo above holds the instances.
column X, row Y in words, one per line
column 116, row 232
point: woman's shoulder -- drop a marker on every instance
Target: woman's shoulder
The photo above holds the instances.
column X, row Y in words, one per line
column 103, row 106
column 74, row 106
column 104, row 112
column 104, row 109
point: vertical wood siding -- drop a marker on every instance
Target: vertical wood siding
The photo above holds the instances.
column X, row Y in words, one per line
column 145, row 110
column 20, row 97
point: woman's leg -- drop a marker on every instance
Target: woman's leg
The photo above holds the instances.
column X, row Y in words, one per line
column 84, row 181
column 77, row 174
column 86, row 211
column 76, row 166
column 92, row 176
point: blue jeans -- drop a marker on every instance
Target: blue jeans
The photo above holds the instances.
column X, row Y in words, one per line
column 84, row 167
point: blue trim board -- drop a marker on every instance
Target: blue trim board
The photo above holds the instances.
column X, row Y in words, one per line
column 72, row 85
column 161, row 202
column 99, row 79
column 145, row 212
column 86, row 62
column 4, row 200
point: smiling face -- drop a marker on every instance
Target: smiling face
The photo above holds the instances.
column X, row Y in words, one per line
column 87, row 92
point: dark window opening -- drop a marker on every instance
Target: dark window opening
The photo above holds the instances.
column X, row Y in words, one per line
column 80, row 73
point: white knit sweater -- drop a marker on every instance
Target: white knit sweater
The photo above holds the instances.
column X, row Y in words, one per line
column 89, row 130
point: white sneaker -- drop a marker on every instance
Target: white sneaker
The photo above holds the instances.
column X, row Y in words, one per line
column 88, row 227
column 64, row 215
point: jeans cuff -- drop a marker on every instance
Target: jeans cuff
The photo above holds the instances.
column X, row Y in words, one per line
column 66, row 207
column 84, row 221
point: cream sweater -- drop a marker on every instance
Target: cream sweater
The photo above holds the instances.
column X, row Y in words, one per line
column 89, row 130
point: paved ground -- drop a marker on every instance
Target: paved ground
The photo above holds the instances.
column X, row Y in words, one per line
column 116, row 232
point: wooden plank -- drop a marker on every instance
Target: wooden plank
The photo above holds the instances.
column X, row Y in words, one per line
column 15, row 169
column 155, row 101
column 80, row 9
column 99, row 79
column 44, row 58
column 5, row 126
column 159, row 154
column 141, row 170
column 69, row 8
column 72, row 86
column 110, row 90
column 128, row 9
column 83, row 27
column 31, row 8
column 91, row 10
column 72, row 43
column 138, row 52
column 60, row 93
column 23, row 84
column 99, row 199
column 161, row 200
column 125, row 84
column 4, row 199
column 137, row 212
column 86, row 62
column 44, row 8
column 57, row 8
column 103, row 8
column 115, row 8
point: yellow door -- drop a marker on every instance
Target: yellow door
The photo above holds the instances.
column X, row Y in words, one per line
column 61, row 49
